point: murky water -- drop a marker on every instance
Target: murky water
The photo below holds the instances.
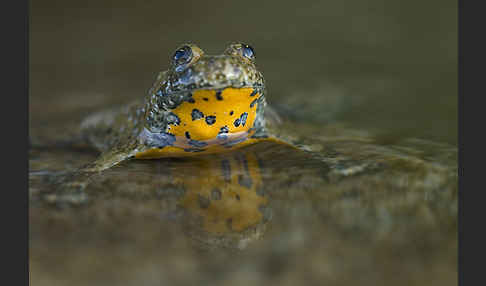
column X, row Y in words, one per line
column 370, row 85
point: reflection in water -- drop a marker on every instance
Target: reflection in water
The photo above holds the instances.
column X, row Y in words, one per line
column 223, row 199
column 227, row 198
column 220, row 200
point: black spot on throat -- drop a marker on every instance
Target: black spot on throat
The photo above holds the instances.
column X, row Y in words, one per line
column 243, row 118
column 196, row 114
column 211, row 119
column 224, row 129
column 218, row 95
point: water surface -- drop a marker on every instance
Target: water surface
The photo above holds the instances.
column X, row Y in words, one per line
column 372, row 86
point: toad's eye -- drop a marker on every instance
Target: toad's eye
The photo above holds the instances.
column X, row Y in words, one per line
column 182, row 57
column 248, row 52
column 241, row 50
